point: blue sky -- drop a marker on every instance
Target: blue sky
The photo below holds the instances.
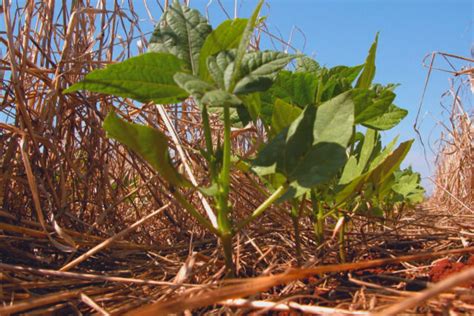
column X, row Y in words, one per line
column 341, row 32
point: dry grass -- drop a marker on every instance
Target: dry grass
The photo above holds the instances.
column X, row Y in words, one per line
column 67, row 192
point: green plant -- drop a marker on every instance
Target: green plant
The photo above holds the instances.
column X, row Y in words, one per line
column 310, row 115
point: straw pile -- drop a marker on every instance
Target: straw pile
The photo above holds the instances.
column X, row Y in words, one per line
column 70, row 195
column 454, row 178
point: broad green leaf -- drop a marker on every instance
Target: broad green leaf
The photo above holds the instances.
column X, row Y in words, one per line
column 369, row 105
column 380, row 156
column 312, row 149
column 306, row 64
column 225, row 37
column 345, row 72
column 181, row 32
column 259, row 70
column 253, row 105
column 283, row 115
column 220, row 98
column 335, row 81
column 243, row 46
column 192, row 84
column 376, row 174
column 298, row 88
column 149, row 143
column 387, row 120
column 368, row 74
column 350, row 172
column 145, row 78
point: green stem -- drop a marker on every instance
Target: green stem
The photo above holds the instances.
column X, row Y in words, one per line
column 223, row 221
column 193, row 212
column 342, row 249
column 208, row 137
column 320, row 218
column 266, row 204
column 224, row 179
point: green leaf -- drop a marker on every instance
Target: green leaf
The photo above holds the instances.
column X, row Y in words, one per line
column 283, row 115
column 253, row 105
column 298, row 88
column 350, row 172
column 149, row 143
column 220, row 98
column 391, row 118
column 306, row 64
column 368, row 74
column 221, row 67
column 181, row 32
column 225, row 37
column 366, row 150
column 369, row 105
column 243, row 45
column 376, row 174
column 335, row 81
column 212, row 190
column 259, row 70
column 407, row 184
column 313, row 148
column 192, row 84
column 145, row 78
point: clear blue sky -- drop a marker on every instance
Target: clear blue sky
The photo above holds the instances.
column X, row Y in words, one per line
column 341, row 31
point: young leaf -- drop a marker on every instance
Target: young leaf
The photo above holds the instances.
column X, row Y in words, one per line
column 181, row 32
column 243, row 45
column 306, row 64
column 145, row 78
column 192, row 84
column 369, row 105
column 220, row 67
column 368, row 74
column 220, row 98
column 366, row 150
column 392, row 116
column 376, row 174
column 149, row 143
column 225, row 37
column 407, row 184
column 259, row 70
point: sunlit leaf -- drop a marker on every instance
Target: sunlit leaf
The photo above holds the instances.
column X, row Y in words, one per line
column 149, row 143
column 181, row 32
column 145, row 78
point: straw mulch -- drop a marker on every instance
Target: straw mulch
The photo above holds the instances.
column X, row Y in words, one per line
column 88, row 227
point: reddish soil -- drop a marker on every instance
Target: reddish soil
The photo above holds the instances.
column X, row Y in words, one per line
column 444, row 268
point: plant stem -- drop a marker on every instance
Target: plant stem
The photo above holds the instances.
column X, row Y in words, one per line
column 342, row 234
column 193, row 212
column 208, row 137
column 320, row 218
column 223, row 221
column 226, row 241
column 266, row 204
column 296, row 228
